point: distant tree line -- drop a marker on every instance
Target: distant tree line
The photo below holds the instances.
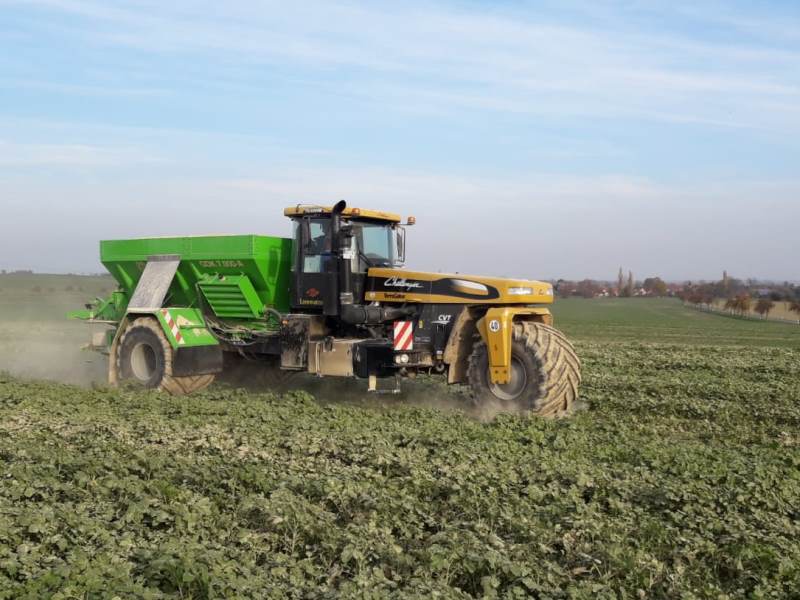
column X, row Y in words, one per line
column 742, row 297
column 624, row 287
column 739, row 296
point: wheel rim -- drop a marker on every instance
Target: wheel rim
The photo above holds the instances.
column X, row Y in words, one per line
column 516, row 383
column 143, row 362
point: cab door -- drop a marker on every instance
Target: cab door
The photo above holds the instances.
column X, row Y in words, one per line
column 315, row 267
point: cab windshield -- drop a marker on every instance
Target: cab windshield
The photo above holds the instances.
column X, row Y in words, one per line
column 376, row 242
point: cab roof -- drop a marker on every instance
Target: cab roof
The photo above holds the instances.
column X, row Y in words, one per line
column 353, row 213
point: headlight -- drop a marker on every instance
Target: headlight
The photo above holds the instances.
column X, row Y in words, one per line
column 470, row 287
column 520, row 291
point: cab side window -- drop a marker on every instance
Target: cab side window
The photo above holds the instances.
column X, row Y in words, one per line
column 318, row 246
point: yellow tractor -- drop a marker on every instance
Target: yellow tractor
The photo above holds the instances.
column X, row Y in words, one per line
column 496, row 335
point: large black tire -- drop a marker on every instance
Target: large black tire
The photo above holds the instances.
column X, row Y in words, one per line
column 545, row 373
column 144, row 357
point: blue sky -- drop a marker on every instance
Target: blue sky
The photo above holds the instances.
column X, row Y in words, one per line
column 559, row 139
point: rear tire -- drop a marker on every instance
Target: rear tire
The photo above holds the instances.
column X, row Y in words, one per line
column 144, row 357
column 545, row 373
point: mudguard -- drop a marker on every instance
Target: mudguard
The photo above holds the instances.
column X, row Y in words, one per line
column 497, row 330
column 184, row 327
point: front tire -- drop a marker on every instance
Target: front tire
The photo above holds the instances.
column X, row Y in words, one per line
column 144, row 358
column 545, row 373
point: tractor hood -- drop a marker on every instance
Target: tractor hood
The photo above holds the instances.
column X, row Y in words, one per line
column 400, row 285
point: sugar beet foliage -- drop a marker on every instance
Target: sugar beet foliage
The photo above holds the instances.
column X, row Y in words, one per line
column 681, row 479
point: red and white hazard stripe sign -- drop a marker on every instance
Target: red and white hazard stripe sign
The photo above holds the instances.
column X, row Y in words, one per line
column 403, row 336
column 173, row 327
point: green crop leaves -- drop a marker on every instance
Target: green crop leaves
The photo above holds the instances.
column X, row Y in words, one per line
column 680, row 479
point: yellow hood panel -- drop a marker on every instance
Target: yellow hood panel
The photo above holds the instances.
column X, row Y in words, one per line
column 400, row 285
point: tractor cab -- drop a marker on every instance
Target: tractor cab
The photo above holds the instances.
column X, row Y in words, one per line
column 334, row 248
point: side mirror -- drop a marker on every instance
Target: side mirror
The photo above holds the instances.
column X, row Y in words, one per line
column 401, row 245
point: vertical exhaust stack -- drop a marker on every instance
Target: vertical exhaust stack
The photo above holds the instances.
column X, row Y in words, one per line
column 336, row 223
column 343, row 241
column 336, row 264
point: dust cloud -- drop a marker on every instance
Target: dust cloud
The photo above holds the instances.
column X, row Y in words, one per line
column 51, row 355
column 37, row 341
column 55, row 354
column 429, row 392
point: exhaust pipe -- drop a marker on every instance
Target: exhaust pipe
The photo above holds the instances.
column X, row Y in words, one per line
column 336, row 223
column 333, row 270
column 343, row 241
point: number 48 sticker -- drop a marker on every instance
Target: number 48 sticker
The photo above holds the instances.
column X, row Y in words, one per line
column 494, row 326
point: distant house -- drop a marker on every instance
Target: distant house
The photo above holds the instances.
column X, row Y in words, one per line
column 674, row 289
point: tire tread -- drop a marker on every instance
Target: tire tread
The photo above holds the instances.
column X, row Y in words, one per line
column 559, row 369
column 177, row 386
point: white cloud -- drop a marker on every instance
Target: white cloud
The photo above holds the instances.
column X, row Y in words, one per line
column 16, row 154
column 540, row 225
column 80, row 90
column 490, row 59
